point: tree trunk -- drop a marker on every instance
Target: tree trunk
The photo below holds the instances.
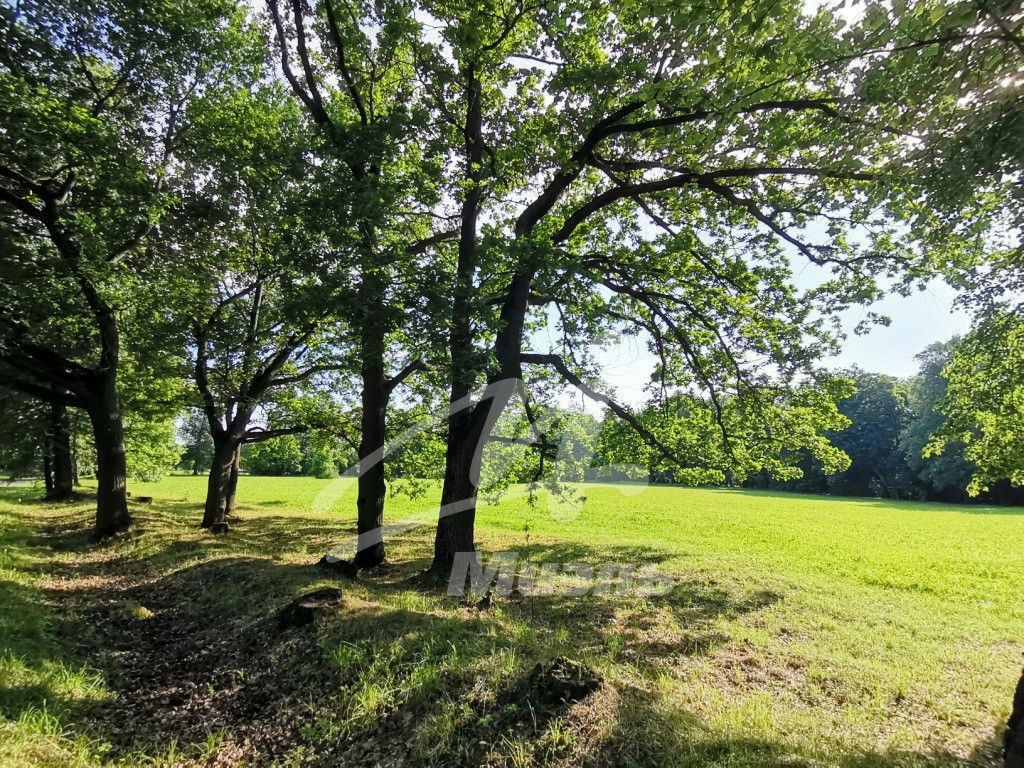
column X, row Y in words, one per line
column 229, row 499
column 219, row 484
column 456, row 523
column 62, row 486
column 372, row 488
column 465, row 436
column 111, row 470
column 47, row 466
column 1013, row 739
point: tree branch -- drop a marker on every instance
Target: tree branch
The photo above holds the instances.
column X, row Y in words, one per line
column 559, row 365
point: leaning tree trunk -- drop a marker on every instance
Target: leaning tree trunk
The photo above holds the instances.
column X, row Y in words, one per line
column 111, row 469
column 62, row 486
column 219, row 483
column 372, row 487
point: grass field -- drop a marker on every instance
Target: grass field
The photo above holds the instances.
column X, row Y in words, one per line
column 802, row 631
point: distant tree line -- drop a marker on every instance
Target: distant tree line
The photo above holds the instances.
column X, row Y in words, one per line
column 890, row 435
column 890, row 442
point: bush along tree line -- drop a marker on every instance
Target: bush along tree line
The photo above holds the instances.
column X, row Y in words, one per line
column 287, row 231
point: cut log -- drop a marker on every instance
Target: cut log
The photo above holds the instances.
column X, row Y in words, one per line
column 346, row 568
column 304, row 609
column 1014, row 738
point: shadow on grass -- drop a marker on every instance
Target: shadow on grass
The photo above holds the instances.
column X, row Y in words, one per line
column 183, row 632
column 41, row 663
column 643, row 730
column 181, row 626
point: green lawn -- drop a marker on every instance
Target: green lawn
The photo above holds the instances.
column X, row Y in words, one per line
column 802, row 631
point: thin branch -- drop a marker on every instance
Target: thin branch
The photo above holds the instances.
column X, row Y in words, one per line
column 346, row 74
column 559, row 365
column 421, row 246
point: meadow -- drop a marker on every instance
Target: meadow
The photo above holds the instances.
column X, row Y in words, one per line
column 801, row 631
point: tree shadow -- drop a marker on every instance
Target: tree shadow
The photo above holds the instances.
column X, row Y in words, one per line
column 181, row 625
column 642, row 730
column 194, row 649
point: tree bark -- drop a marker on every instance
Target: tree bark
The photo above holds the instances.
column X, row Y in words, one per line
column 455, row 525
column 229, row 499
column 375, row 396
column 1013, row 739
column 59, row 438
column 218, row 486
column 465, row 438
column 47, row 465
column 372, row 488
column 111, row 470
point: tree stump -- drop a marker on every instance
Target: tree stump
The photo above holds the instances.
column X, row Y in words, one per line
column 346, row 568
column 1013, row 741
column 305, row 608
column 559, row 682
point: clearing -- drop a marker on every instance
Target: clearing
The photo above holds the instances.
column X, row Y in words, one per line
column 802, row 631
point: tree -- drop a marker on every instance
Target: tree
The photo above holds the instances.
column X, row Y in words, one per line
column 352, row 67
column 942, row 476
column 706, row 447
column 878, row 415
column 196, row 441
column 37, row 436
column 323, row 454
column 280, row 456
column 655, row 169
column 92, row 100
column 960, row 61
column 261, row 290
column 983, row 403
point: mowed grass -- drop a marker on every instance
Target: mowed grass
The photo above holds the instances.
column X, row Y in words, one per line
column 801, row 631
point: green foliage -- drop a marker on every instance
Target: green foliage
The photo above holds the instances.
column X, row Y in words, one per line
column 728, row 441
column 196, row 441
column 984, row 403
column 22, row 427
column 151, row 446
column 279, row 456
column 415, row 451
column 322, row 455
column 92, row 103
column 947, row 475
column 878, row 414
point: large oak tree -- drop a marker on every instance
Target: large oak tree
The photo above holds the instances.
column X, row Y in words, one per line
column 659, row 169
